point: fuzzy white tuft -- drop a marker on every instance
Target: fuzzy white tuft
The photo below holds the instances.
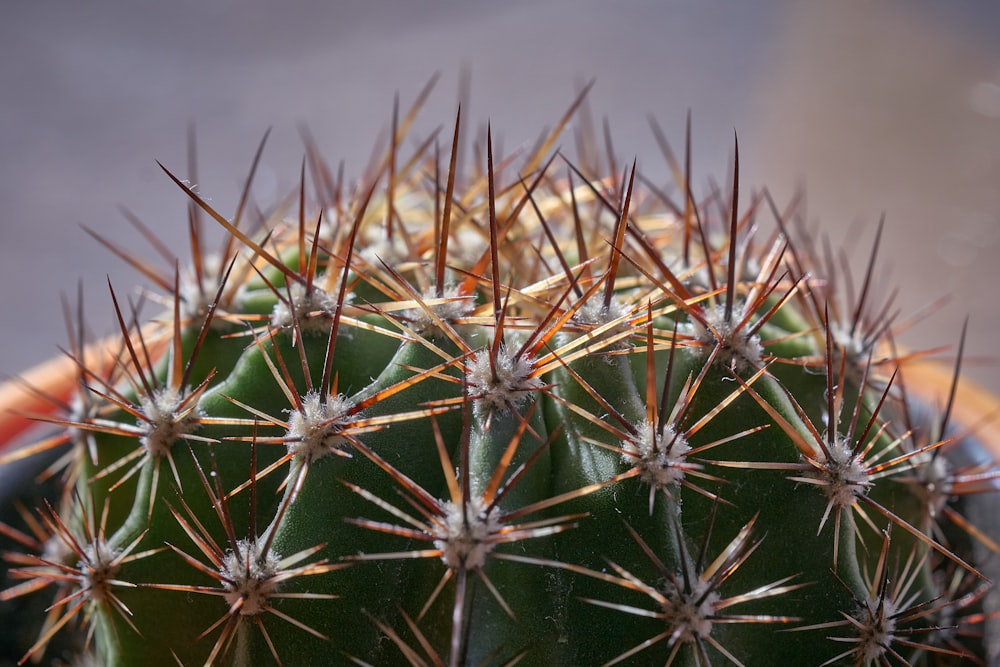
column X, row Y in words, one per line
column 842, row 474
column 164, row 421
column 594, row 313
column 508, row 388
column 455, row 306
column 465, row 541
column 314, row 431
column 197, row 298
column 689, row 614
column 97, row 568
column 248, row 576
column 658, row 456
column 876, row 625
column 314, row 310
column 736, row 349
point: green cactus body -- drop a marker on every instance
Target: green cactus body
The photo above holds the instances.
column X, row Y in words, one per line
column 507, row 419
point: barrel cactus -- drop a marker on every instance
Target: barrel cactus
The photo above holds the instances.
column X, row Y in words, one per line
column 542, row 412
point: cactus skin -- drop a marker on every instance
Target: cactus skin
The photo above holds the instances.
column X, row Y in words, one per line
column 503, row 417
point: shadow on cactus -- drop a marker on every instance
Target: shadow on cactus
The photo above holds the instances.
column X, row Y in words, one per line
column 537, row 413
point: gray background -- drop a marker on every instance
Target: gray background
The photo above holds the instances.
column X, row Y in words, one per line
column 873, row 106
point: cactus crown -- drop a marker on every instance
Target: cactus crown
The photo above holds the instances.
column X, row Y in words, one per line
column 537, row 413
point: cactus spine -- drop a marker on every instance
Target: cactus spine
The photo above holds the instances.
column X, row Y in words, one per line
column 520, row 415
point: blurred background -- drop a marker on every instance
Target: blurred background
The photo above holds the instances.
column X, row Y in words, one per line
column 873, row 107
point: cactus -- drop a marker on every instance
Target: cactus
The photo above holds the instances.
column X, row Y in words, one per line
column 535, row 413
